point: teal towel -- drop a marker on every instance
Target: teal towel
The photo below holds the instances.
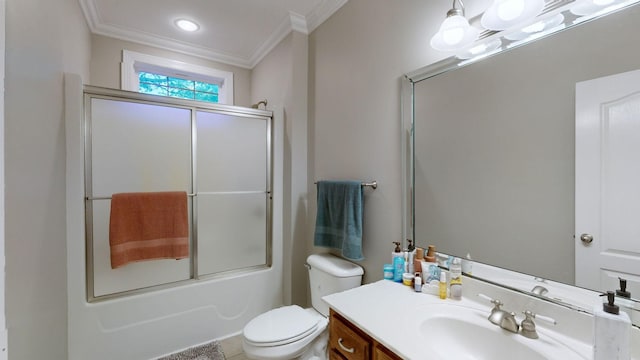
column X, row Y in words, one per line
column 339, row 217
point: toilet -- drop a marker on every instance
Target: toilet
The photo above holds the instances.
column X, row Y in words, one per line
column 291, row 332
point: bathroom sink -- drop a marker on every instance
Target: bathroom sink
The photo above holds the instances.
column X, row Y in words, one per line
column 459, row 332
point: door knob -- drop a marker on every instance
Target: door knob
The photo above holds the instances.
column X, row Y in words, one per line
column 586, row 238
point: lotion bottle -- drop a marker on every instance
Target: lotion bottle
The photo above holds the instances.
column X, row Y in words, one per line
column 455, row 283
column 398, row 268
column 442, row 291
column 612, row 331
column 396, row 252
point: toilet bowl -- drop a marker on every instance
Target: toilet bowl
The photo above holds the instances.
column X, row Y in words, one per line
column 285, row 333
column 291, row 332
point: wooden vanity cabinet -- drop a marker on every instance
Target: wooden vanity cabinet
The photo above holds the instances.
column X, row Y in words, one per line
column 348, row 342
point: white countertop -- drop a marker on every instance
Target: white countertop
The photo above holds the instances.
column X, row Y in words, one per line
column 383, row 308
column 385, row 311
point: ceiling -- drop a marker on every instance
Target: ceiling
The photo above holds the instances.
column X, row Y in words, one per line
column 236, row 32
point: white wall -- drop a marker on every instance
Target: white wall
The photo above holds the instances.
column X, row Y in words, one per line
column 281, row 78
column 106, row 56
column 43, row 40
column 356, row 60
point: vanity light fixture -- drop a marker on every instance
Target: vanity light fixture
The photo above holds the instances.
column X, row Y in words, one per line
column 187, row 25
column 455, row 32
column 536, row 28
column 480, row 50
column 588, row 7
column 503, row 14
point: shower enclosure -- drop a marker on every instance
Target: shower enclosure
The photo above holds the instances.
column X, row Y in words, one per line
column 230, row 162
column 220, row 155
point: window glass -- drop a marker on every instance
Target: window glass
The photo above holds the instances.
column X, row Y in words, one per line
column 158, row 84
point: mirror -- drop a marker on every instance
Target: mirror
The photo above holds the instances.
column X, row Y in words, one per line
column 493, row 155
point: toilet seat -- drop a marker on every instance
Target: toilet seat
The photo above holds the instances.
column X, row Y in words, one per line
column 281, row 326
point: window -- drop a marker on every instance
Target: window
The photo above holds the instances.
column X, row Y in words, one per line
column 158, row 84
column 160, row 76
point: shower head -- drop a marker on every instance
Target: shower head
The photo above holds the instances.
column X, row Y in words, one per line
column 257, row 105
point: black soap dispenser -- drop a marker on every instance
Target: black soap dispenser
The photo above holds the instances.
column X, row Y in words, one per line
column 611, row 331
column 610, row 306
column 622, row 292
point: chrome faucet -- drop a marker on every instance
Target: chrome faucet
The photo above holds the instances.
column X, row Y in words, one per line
column 510, row 323
column 507, row 320
column 499, row 317
column 528, row 326
column 539, row 290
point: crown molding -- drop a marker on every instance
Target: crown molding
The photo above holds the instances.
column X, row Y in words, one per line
column 298, row 23
column 322, row 12
column 90, row 13
column 294, row 22
column 285, row 27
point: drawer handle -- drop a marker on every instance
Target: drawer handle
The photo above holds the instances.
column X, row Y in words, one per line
column 350, row 351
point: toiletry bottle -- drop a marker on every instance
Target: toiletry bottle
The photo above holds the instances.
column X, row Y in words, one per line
column 467, row 265
column 622, row 292
column 417, row 283
column 406, row 261
column 430, row 270
column 623, row 296
column 442, row 291
column 398, row 268
column 388, row 271
column 417, row 260
column 412, row 253
column 455, row 283
column 396, row 252
column 430, row 256
column 411, row 246
column 612, row 331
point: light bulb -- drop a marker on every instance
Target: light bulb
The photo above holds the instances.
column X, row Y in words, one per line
column 187, row 25
column 453, row 29
column 478, row 49
column 534, row 28
column 510, row 9
column 504, row 14
column 454, row 33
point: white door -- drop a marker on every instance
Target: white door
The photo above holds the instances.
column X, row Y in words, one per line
column 608, row 182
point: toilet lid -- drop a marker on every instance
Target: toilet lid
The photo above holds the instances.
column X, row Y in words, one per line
column 280, row 326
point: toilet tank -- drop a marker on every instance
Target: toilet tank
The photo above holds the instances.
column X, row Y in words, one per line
column 329, row 274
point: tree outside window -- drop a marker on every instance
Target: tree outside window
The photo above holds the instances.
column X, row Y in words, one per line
column 157, row 84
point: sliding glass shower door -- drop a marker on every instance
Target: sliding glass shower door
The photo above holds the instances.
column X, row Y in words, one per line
column 219, row 155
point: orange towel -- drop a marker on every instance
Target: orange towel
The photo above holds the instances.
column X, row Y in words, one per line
column 148, row 225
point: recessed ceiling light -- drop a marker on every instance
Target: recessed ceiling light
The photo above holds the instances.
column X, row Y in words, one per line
column 187, row 25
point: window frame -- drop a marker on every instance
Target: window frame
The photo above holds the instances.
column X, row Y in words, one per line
column 134, row 62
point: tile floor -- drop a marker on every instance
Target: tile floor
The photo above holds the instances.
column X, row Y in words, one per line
column 232, row 348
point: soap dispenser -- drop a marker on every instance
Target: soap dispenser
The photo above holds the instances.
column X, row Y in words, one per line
column 397, row 252
column 612, row 331
column 398, row 263
column 622, row 292
column 624, row 298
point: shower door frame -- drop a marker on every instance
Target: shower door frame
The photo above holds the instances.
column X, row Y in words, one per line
column 93, row 92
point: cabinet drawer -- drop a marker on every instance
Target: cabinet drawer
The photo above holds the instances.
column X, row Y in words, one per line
column 381, row 353
column 346, row 341
column 335, row 355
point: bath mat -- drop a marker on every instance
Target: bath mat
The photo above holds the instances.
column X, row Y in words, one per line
column 210, row 351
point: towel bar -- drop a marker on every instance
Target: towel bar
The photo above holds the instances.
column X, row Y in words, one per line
column 109, row 197
column 373, row 184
